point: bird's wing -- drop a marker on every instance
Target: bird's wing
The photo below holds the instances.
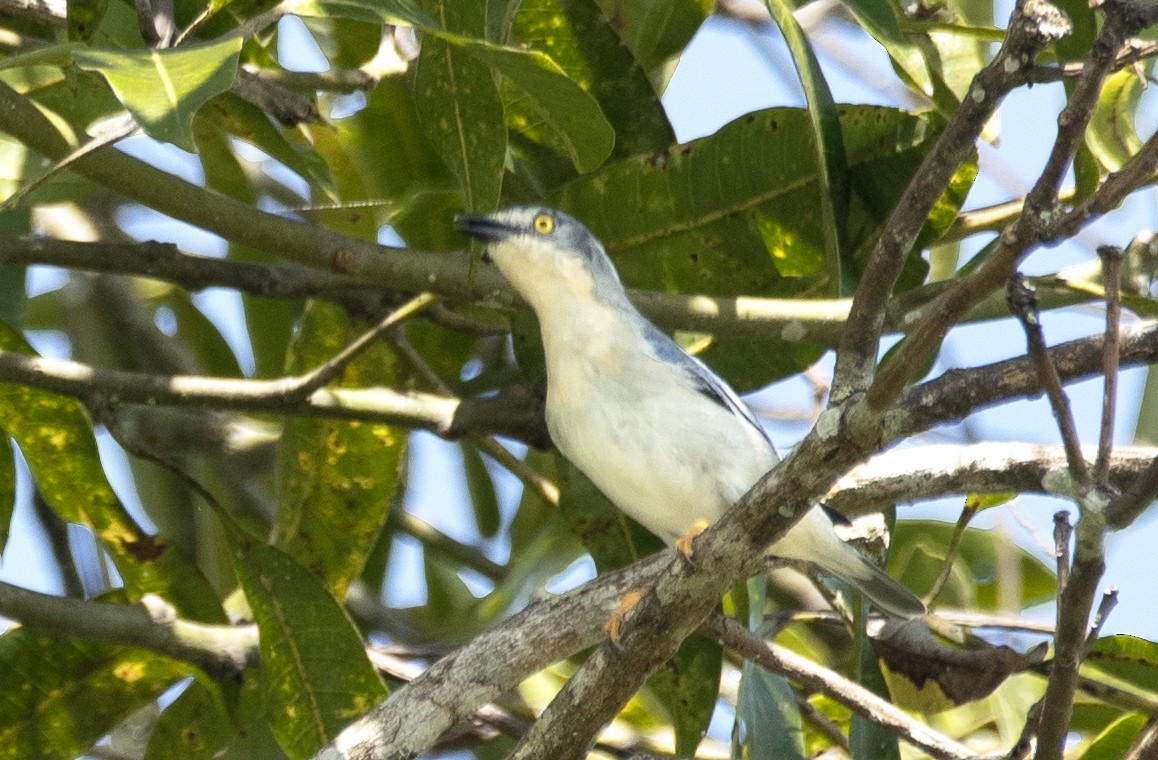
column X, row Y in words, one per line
column 705, row 382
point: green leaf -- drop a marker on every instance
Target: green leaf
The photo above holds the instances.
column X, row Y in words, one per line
column 688, row 685
column 687, row 219
column 194, row 727
column 1115, row 742
column 317, row 676
column 579, row 37
column 462, row 116
column 722, row 214
column 655, row 31
column 84, row 16
column 828, row 147
column 560, row 104
column 60, row 696
column 921, row 546
column 882, row 20
column 335, row 478
column 1130, row 659
column 767, row 711
column 867, row 739
column 247, row 122
column 200, row 335
column 381, row 153
column 481, row 486
column 374, row 11
column 1111, row 135
column 163, row 89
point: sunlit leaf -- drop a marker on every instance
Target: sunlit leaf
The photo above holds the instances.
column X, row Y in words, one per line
column 57, row 441
column 973, row 582
column 1115, row 741
column 462, row 116
column 828, row 149
column 581, row 39
column 163, row 89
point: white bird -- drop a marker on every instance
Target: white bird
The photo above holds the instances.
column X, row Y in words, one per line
column 659, row 433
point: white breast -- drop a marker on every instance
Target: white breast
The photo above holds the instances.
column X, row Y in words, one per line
column 663, row 453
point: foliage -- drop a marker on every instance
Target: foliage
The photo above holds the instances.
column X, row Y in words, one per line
column 298, row 523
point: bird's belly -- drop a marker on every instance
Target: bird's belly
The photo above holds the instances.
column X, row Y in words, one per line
column 653, row 457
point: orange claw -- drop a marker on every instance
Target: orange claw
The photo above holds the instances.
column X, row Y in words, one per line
column 683, row 544
column 614, row 624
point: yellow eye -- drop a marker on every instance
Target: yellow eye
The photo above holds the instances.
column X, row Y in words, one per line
column 543, row 224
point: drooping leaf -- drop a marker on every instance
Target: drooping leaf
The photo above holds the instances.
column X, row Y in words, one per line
column 1132, row 659
column 163, row 89
column 462, row 116
column 688, row 685
column 571, row 114
column 973, row 582
column 828, row 148
column 374, row 11
column 655, row 31
column 7, row 491
column 769, row 717
column 317, row 676
column 1115, row 741
column 335, row 478
column 483, row 498
column 1111, row 135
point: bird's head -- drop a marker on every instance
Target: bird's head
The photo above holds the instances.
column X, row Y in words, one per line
column 545, row 254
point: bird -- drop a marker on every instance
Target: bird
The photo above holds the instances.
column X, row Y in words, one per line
column 660, row 434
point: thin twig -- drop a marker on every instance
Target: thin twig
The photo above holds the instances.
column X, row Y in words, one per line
column 1135, row 500
column 1111, row 257
column 1062, row 533
column 816, row 678
column 1041, row 221
column 1109, row 601
column 967, row 514
column 1033, row 25
column 1024, row 306
column 304, row 385
column 542, row 487
column 1145, row 746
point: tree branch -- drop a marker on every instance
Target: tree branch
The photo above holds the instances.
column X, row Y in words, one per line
column 150, row 624
column 1041, row 220
column 811, row 676
column 1034, row 24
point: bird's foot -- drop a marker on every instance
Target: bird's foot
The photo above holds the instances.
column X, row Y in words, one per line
column 614, row 624
column 683, row 544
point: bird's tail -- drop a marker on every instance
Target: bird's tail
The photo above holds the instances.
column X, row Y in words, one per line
column 813, row 540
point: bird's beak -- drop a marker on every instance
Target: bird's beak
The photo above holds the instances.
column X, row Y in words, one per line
column 483, row 227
